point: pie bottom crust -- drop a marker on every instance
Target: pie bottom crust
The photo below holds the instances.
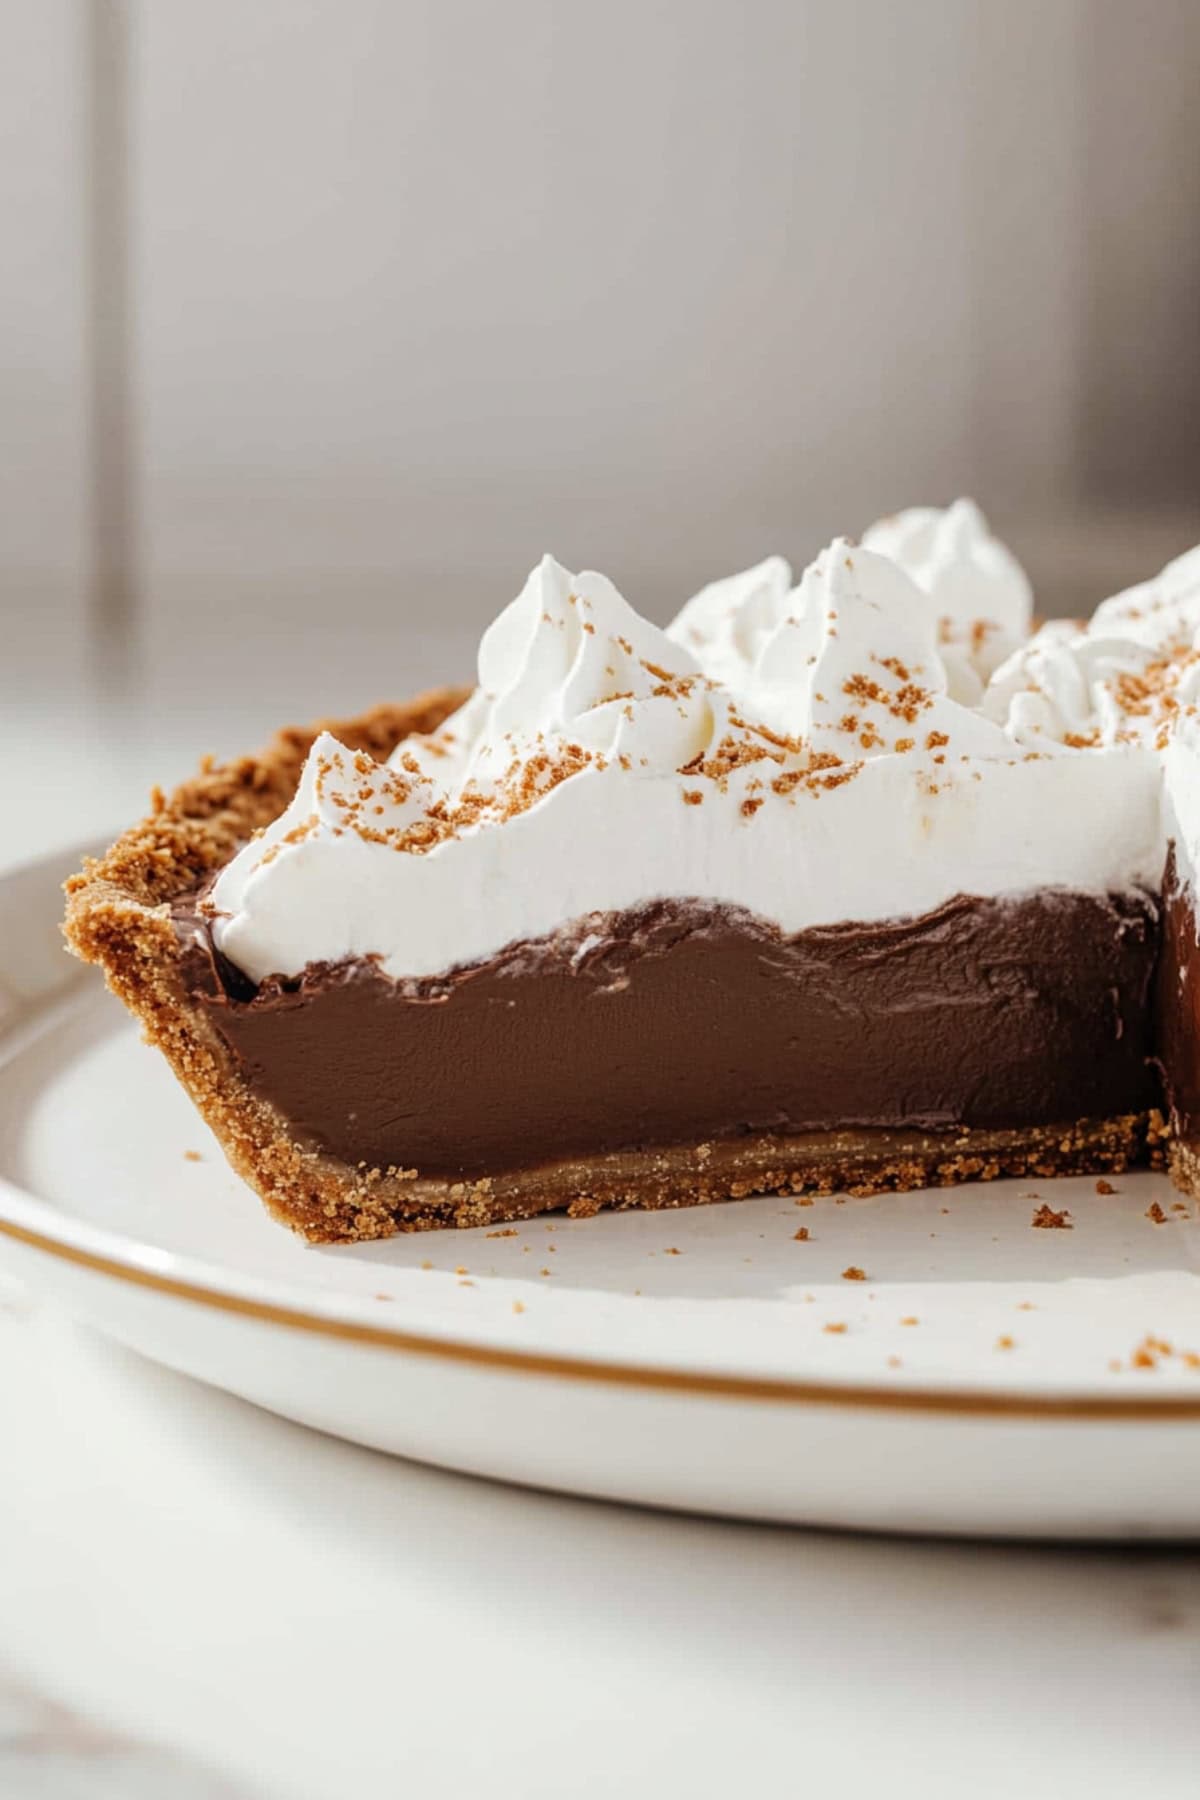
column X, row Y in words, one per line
column 119, row 915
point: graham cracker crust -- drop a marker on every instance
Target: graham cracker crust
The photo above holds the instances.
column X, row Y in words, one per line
column 119, row 916
column 1183, row 1165
column 858, row 1163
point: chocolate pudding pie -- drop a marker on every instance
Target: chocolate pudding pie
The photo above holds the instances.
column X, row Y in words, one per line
column 855, row 884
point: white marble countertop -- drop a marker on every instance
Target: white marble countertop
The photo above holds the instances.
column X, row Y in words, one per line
column 198, row 1600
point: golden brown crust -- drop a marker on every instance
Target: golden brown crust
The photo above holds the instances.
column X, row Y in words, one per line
column 1183, row 1166
column 198, row 827
column 119, row 916
column 858, row 1163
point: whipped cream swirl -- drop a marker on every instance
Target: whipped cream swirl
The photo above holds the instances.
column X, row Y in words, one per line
column 727, row 623
column 1128, row 676
column 570, row 661
column 980, row 593
column 981, row 600
column 854, row 666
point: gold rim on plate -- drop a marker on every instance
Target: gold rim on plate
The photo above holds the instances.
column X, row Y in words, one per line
column 632, row 1375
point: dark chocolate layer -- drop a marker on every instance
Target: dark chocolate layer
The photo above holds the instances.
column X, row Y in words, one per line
column 681, row 1022
column 1177, row 1005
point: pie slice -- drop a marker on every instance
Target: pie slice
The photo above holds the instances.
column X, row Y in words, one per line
column 853, row 885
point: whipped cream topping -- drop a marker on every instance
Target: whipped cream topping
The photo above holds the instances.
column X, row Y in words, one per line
column 727, row 623
column 982, row 599
column 570, row 662
column 854, row 666
column 980, row 592
column 801, row 752
column 1129, row 676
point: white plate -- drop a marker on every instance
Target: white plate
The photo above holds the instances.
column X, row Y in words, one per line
column 985, row 1377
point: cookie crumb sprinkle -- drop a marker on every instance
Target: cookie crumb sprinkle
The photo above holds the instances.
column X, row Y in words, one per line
column 1046, row 1219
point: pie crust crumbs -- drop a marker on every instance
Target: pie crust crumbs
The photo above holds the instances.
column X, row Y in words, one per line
column 1046, row 1219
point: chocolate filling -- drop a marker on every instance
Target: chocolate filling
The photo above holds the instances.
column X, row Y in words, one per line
column 681, row 1022
column 1177, row 1005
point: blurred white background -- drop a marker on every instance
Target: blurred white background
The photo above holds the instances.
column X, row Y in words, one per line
column 323, row 318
